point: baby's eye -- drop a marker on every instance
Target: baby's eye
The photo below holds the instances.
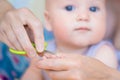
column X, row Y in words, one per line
column 69, row 8
column 94, row 9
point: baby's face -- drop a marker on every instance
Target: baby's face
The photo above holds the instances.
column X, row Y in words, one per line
column 76, row 22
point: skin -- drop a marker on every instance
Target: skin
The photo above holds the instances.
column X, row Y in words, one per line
column 60, row 20
column 14, row 26
column 73, row 38
column 77, row 67
column 74, row 66
column 83, row 61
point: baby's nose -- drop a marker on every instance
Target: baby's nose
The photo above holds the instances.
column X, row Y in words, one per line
column 82, row 15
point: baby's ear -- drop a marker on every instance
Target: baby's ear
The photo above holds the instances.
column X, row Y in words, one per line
column 47, row 21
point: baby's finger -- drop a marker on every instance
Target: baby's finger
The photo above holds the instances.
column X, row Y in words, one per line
column 49, row 54
column 56, row 64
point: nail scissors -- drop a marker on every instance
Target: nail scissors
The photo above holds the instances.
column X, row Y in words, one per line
column 18, row 52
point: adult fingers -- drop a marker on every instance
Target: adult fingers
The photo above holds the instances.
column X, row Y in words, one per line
column 36, row 26
column 22, row 36
column 10, row 35
column 3, row 35
column 4, row 39
column 64, row 75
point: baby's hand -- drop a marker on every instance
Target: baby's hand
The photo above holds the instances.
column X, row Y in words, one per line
column 43, row 56
column 33, row 70
column 74, row 67
column 50, row 55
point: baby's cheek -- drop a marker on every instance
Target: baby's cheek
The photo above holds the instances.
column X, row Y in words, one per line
column 98, row 36
column 61, row 29
column 61, row 33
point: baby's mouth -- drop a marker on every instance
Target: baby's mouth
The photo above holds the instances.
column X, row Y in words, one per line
column 82, row 29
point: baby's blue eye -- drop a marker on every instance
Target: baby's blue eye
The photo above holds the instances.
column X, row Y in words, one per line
column 69, row 8
column 94, row 9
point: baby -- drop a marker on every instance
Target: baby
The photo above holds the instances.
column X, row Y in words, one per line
column 79, row 27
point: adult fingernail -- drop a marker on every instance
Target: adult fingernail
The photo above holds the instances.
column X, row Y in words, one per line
column 40, row 47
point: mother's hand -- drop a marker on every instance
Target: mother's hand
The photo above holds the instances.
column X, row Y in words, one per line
column 75, row 67
column 14, row 26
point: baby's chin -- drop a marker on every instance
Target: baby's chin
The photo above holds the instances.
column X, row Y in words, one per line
column 85, row 43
